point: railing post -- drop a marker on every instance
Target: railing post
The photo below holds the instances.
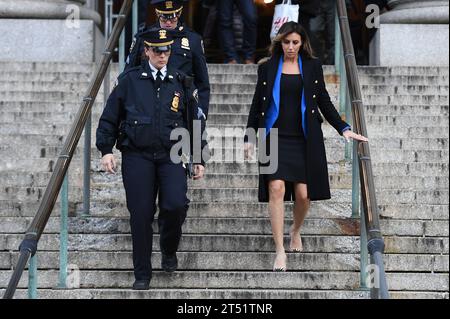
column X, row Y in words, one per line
column 87, row 166
column 344, row 105
column 356, row 207
column 364, row 254
column 122, row 51
column 63, row 233
column 32, row 278
column 135, row 21
column 338, row 45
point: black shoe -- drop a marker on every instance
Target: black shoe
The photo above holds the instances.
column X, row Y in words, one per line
column 169, row 263
column 141, row 285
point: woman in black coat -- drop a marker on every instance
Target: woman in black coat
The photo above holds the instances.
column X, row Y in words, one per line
column 289, row 94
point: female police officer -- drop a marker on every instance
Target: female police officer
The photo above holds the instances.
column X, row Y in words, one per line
column 188, row 53
column 148, row 102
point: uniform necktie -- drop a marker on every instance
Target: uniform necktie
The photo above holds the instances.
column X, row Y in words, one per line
column 158, row 79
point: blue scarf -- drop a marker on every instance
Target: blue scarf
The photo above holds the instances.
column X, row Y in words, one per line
column 274, row 108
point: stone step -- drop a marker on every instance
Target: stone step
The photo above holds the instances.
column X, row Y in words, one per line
column 337, row 180
column 257, row 261
column 239, row 280
column 403, row 79
column 374, row 122
column 114, row 208
column 256, row 243
column 249, row 88
column 373, row 130
column 362, row 70
column 213, row 243
column 232, row 167
column 49, row 96
column 46, row 76
column 20, row 67
column 109, row 191
column 220, row 294
column 230, row 148
column 44, row 86
column 418, row 110
column 210, row 280
column 204, row 294
column 410, row 99
column 237, row 108
column 230, row 78
column 421, row 110
column 68, row 107
column 405, row 89
column 220, row 68
column 251, row 226
column 394, row 120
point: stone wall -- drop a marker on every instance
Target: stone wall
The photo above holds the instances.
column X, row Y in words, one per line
column 49, row 30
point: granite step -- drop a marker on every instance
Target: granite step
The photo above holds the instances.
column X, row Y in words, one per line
column 257, row 243
column 233, row 225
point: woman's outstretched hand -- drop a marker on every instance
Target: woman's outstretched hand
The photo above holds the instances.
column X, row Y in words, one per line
column 352, row 135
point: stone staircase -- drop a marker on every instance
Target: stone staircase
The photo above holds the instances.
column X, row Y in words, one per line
column 227, row 248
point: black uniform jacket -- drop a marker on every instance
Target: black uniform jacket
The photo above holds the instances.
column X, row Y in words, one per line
column 317, row 98
column 187, row 56
column 135, row 118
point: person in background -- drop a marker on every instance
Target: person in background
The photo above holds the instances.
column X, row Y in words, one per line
column 247, row 8
column 323, row 28
column 188, row 54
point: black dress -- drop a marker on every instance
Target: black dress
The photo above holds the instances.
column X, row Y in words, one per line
column 291, row 140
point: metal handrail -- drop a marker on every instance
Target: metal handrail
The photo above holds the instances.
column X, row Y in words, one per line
column 370, row 219
column 29, row 244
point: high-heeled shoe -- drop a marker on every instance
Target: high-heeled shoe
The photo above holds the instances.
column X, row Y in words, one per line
column 278, row 268
column 295, row 249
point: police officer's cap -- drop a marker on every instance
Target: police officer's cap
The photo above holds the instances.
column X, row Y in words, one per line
column 168, row 8
column 159, row 39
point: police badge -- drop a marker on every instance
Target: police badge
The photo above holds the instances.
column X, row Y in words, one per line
column 176, row 102
column 185, row 44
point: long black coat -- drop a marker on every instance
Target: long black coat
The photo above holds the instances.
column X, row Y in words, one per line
column 316, row 98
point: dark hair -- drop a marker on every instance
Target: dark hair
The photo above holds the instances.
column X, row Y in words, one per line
column 306, row 50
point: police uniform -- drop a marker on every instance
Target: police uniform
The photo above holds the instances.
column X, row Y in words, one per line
column 188, row 53
column 139, row 117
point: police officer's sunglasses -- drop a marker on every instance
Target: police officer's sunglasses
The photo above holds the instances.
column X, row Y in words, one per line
column 165, row 19
column 158, row 52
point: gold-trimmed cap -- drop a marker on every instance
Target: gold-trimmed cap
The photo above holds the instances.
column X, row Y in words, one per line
column 158, row 38
column 168, row 8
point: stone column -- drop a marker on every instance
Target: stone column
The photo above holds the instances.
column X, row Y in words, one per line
column 413, row 33
column 48, row 30
column 44, row 9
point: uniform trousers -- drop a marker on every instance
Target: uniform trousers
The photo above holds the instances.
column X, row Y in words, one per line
column 145, row 175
